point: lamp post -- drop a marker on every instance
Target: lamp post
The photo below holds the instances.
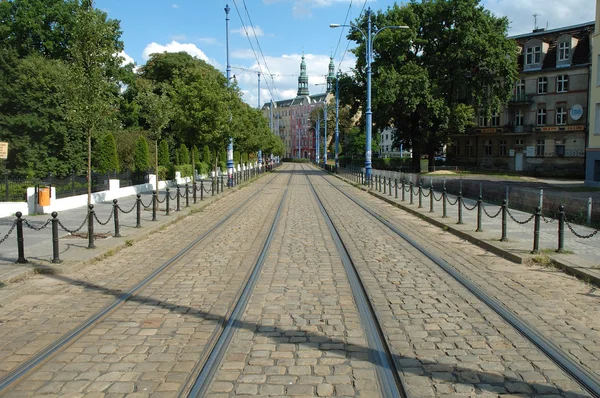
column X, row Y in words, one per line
column 230, row 145
column 369, row 38
column 325, row 136
column 318, row 137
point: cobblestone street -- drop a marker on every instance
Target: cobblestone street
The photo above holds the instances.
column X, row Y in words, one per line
column 301, row 332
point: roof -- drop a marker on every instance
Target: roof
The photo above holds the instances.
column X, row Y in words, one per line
column 314, row 98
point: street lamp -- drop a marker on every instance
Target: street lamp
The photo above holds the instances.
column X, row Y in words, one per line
column 230, row 163
column 369, row 38
column 337, row 117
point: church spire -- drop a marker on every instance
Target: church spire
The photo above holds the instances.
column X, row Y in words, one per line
column 331, row 76
column 302, row 79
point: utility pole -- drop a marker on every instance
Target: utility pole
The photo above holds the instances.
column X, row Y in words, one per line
column 230, row 146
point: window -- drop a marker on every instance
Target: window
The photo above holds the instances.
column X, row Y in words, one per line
column 483, row 122
column 520, row 87
column 456, row 149
column 560, row 149
column 533, row 55
column 542, row 85
column 488, row 147
column 502, row 147
column 519, row 142
column 519, row 118
column 495, row 119
column 540, row 147
column 561, row 115
column 562, row 83
column 541, row 116
column 563, row 51
column 469, row 148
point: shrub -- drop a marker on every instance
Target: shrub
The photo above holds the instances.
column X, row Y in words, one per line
column 141, row 156
column 163, row 173
column 203, row 168
column 184, row 169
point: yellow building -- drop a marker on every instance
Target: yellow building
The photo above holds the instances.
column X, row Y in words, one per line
column 592, row 164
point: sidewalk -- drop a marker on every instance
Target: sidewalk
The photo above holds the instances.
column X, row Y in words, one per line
column 73, row 247
column 581, row 257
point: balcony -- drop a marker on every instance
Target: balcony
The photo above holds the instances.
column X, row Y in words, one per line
column 521, row 99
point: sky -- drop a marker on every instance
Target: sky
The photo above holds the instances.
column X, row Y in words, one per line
column 280, row 31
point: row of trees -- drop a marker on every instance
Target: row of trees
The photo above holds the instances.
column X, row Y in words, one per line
column 68, row 103
column 431, row 80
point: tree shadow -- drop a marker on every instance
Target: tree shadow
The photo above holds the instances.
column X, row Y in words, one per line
column 445, row 378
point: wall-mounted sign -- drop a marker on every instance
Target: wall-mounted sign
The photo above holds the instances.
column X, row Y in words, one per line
column 511, row 152
column 3, row 150
column 576, row 112
column 530, row 151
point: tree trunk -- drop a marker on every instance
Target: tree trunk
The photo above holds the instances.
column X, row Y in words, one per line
column 89, row 168
column 193, row 167
column 156, row 161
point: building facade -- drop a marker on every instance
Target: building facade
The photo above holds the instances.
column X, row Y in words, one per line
column 290, row 119
column 544, row 126
column 592, row 166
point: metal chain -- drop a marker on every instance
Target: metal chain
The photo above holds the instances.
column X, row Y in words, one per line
column 572, row 230
column 436, row 199
column 160, row 201
column 9, row 232
column 146, row 207
column 34, row 227
column 107, row 221
column 128, row 211
column 173, row 197
column 517, row 221
column 425, row 195
column 467, row 207
column 551, row 220
column 450, row 203
column 488, row 214
column 74, row 231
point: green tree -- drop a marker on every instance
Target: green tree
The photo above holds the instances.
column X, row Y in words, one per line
column 206, row 156
column 141, row 156
column 184, row 155
column 105, row 156
column 163, row 154
column 91, row 103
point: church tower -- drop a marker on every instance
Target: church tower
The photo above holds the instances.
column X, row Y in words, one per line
column 331, row 76
column 302, row 79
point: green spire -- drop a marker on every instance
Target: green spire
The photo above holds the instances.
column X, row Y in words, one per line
column 302, row 79
column 331, row 76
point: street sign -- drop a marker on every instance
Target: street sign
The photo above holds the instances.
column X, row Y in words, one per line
column 3, row 150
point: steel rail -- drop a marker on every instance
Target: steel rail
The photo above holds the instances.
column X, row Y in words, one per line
column 209, row 367
column 582, row 376
column 387, row 371
column 13, row 377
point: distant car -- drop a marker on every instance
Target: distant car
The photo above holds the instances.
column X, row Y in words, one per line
column 441, row 158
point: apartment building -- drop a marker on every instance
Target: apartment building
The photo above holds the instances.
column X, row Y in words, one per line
column 544, row 126
column 592, row 167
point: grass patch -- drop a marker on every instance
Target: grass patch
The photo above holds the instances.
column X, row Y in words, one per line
column 129, row 242
column 552, row 251
column 2, row 284
column 542, row 260
column 44, row 271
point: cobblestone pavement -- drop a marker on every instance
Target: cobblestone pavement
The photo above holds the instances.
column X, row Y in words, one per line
column 444, row 339
column 561, row 307
column 151, row 342
column 301, row 333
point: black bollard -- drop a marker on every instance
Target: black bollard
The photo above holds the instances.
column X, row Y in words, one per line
column 479, row 215
column 187, row 195
column 212, row 186
column 411, row 192
column 384, row 186
column 178, row 199
column 201, row 190
column 390, row 186
column 154, row 206
column 55, row 249
column 138, row 203
column 536, row 230
column 195, row 188
column 396, row 187
column 167, row 202
column 430, row 199
column 116, row 218
column 561, row 229
column 503, row 238
column 20, row 239
column 420, row 195
column 222, row 183
column 91, row 227
column 444, row 199
column 459, row 202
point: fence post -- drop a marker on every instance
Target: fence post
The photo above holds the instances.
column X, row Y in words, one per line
column 410, row 184
column 167, row 202
column 138, row 203
column 178, row 199
column 396, row 187
column 460, row 221
column 195, row 188
column 55, row 250
column 403, row 190
column 153, row 205
column 479, row 205
column 536, row 230
column 212, row 186
column 116, row 218
column 222, row 183
column 91, row 227
column 507, row 193
column 589, row 212
column 444, row 199
column 20, row 239
column 420, row 195
column 201, row 190
column 390, row 186
column 561, row 229
column 384, row 186
column 187, row 195
column 431, row 199
column 504, row 206
column 542, row 199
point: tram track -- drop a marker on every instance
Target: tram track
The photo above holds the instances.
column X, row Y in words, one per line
column 562, row 359
column 34, row 362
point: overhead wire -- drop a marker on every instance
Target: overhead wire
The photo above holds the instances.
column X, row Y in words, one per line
column 343, row 28
column 348, row 45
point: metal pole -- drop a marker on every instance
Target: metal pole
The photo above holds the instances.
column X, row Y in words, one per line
column 55, row 249
column 325, row 136
column 420, row 195
column 504, row 206
column 337, row 127
column 368, row 113
column 201, row 190
column 561, row 228
column 460, row 221
column 138, row 204
column 187, row 196
column 396, row 187
column 431, row 199
column 116, row 217
column 479, row 204
column 536, row 231
column 318, row 134
column 195, row 188
column 402, row 190
column 167, row 202
column 154, row 206
column 589, row 211
column 178, row 200
column 444, row 200
column 20, row 239
column 230, row 145
column 410, row 184
column 91, row 227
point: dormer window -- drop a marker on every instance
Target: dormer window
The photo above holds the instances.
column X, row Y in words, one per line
column 564, row 49
column 533, row 55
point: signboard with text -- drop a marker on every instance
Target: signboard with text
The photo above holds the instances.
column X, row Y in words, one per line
column 3, row 150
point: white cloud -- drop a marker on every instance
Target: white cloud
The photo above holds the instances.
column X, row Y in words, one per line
column 285, row 70
column 175, row 5
column 257, row 31
column 554, row 13
column 126, row 58
column 179, row 37
column 207, row 40
column 174, row 47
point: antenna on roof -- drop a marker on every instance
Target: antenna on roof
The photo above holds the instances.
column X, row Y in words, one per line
column 535, row 21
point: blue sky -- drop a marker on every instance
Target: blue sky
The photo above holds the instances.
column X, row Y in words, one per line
column 284, row 29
